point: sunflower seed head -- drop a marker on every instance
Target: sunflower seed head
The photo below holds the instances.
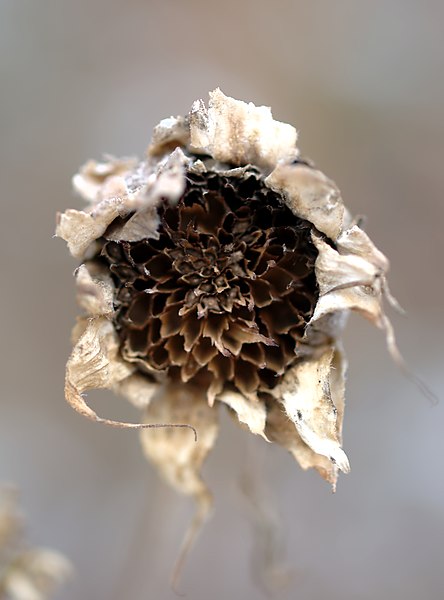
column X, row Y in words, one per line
column 219, row 271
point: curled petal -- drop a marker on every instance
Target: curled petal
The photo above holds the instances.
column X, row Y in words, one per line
column 252, row 413
column 347, row 282
column 310, row 195
column 235, row 132
column 95, row 363
column 307, row 399
column 338, row 271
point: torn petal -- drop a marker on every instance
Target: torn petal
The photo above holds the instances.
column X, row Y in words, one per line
column 310, row 195
column 306, row 397
column 235, row 132
column 252, row 413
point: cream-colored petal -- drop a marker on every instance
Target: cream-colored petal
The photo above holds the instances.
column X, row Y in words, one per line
column 310, row 195
column 336, row 271
column 176, row 454
column 79, row 228
column 169, row 133
column 306, row 397
column 95, row 363
column 95, row 289
column 168, row 180
column 281, row 430
column 163, row 181
column 232, row 131
column 355, row 241
column 93, row 175
column 141, row 225
column 348, row 282
column 138, row 389
column 252, row 413
column 363, row 299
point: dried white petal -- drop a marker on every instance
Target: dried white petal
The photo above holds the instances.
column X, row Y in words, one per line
column 310, row 195
column 355, row 241
column 95, row 363
column 168, row 181
column 90, row 180
column 95, row 290
column 281, row 430
column 168, row 134
column 79, row 228
column 142, row 224
column 336, row 271
column 251, row 412
column 235, row 132
column 306, row 397
column 138, row 389
column 347, row 282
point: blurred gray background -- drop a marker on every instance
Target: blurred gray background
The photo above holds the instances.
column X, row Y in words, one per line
column 363, row 83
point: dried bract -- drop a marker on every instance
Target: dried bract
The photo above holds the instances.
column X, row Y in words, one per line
column 219, row 271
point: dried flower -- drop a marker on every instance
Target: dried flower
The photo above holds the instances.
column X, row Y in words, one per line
column 25, row 573
column 219, row 271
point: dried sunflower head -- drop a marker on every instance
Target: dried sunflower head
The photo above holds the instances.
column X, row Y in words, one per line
column 219, row 271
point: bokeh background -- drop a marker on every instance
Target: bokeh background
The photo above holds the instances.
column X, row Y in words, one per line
column 363, row 83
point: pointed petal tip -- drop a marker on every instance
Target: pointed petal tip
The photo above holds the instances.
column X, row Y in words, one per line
column 340, row 459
